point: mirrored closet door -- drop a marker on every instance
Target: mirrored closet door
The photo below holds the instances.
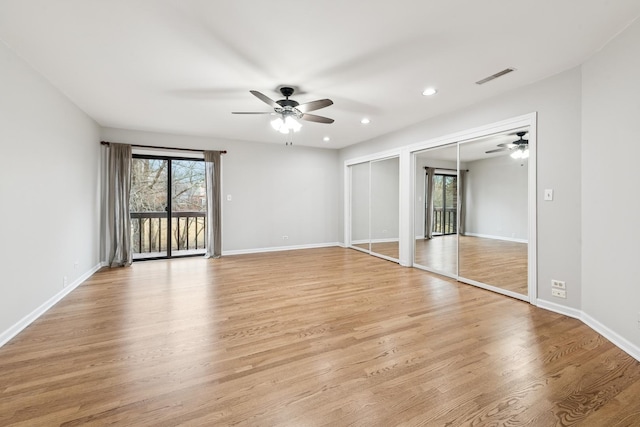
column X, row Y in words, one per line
column 493, row 232
column 472, row 211
column 375, row 207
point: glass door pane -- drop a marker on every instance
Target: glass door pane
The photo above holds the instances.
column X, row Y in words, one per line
column 148, row 207
column 188, row 207
column 445, row 194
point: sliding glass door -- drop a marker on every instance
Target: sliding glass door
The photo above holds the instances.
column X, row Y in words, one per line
column 168, row 207
column 445, row 199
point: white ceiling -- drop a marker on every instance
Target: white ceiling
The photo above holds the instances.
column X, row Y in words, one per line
column 182, row 66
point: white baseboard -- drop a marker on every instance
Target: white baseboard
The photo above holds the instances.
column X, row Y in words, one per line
column 488, row 236
column 281, row 248
column 622, row 343
column 31, row 317
column 619, row 341
column 558, row 308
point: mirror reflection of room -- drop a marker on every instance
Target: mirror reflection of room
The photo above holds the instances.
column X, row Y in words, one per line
column 493, row 232
column 385, row 207
column 471, row 217
column 375, row 207
column 360, row 189
column 436, row 202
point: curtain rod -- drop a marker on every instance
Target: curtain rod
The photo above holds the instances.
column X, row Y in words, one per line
column 165, row 148
column 446, row 169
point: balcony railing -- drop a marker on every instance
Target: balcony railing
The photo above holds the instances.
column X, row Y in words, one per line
column 149, row 233
column 445, row 220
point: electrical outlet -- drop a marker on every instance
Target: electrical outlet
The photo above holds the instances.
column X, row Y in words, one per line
column 559, row 293
column 285, row 237
column 558, row 284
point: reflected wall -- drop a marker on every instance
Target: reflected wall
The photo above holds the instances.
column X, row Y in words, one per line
column 375, row 207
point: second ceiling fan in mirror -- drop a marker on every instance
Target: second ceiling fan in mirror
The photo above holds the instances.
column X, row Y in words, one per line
column 519, row 149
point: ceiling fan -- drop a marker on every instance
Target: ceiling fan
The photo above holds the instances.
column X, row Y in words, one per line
column 288, row 110
column 519, row 148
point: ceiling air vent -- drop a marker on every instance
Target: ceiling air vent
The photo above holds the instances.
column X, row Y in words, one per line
column 495, row 76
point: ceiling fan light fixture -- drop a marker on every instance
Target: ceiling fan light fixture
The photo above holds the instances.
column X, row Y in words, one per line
column 520, row 153
column 292, row 124
column 365, row 121
column 285, row 124
column 277, row 123
column 430, row 91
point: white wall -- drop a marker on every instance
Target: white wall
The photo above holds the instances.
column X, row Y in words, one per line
column 557, row 100
column 275, row 190
column 496, row 198
column 49, row 187
column 610, row 179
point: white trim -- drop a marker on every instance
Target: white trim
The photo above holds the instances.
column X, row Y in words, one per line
column 281, row 248
column 477, row 132
column 494, row 289
column 619, row 341
column 387, row 240
column 14, row 330
column 433, row 270
column 382, row 155
column 488, row 236
column 558, row 308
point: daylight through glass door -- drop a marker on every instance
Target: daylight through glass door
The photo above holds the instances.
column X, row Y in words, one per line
column 168, row 207
column 445, row 199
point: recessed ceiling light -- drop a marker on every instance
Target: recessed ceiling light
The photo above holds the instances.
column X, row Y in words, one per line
column 429, row 91
column 365, row 121
column 326, row 139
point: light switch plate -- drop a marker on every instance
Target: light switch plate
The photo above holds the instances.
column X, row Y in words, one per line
column 548, row 194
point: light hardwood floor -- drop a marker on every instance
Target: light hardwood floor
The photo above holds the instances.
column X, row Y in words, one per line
column 313, row 337
column 494, row 262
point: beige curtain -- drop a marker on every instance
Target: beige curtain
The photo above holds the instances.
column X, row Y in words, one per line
column 214, row 226
column 428, row 198
column 118, row 219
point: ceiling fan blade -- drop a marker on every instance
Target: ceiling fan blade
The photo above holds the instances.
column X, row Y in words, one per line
column 264, row 98
column 497, row 150
column 506, row 145
column 314, row 105
column 251, row 112
column 317, row 119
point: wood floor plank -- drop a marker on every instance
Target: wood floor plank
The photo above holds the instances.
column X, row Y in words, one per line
column 313, row 337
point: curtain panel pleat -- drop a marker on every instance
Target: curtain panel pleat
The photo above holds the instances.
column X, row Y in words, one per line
column 118, row 218
column 214, row 226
